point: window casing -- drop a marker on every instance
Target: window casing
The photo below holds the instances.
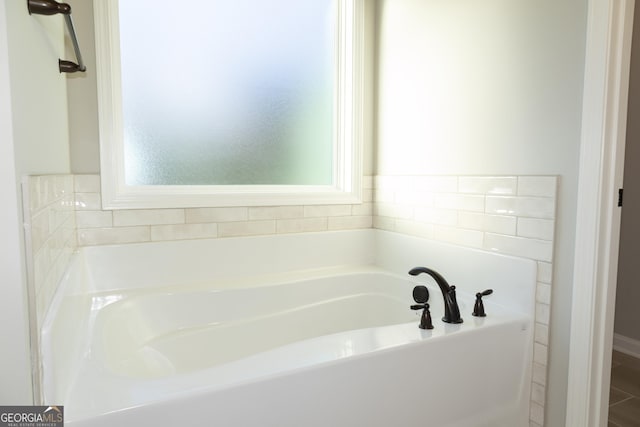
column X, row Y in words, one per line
column 345, row 185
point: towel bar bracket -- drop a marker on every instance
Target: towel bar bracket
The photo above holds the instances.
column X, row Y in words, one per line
column 52, row 7
column 47, row 7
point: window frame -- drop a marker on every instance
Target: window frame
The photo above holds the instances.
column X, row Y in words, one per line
column 348, row 131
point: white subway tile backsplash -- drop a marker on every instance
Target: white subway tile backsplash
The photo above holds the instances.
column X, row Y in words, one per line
column 536, row 207
column 31, row 189
column 385, row 222
column 327, row 210
column 384, row 196
column 533, row 207
column 203, row 215
column 419, row 229
column 47, row 288
column 501, row 205
column 539, row 374
column 40, row 230
column 413, row 198
column 472, row 221
column 302, row 225
column 543, row 293
column 541, row 334
column 491, row 223
column 363, row 209
column 536, row 415
column 42, row 296
column 462, row 202
column 107, row 236
column 540, row 354
column 55, row 242
column 41, row 266
column 394, row 182
column 58, row 215
column 504, row 185
column 459, row 236
column 367, row 196
column 448, row 201
column 545, row 272
column 471, row 203
column 173, row 224
column 184, row 231
column 275, row 212
column 88, row 202
column 94, row 219
column 437, row 216
column 60, row 211
column 349, row 222
column 500, row 224
column 488, row 213
column 393, row 211
column 535, row 228
column 50, row 229
column 520, row 246
column 62, row 184
column 246, row 228
column 538, row 393
column 128, row 218
column 543, row 313
column 436, row 184
column 47, row 193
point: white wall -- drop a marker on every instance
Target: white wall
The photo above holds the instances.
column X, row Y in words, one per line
column 39, row 91
column 82, row 93
column 490, row 87
column 15, row 374
column 34, row 140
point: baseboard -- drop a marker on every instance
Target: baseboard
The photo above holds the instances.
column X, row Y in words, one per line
column 626, row 345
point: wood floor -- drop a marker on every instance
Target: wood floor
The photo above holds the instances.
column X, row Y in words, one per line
column 624, row 397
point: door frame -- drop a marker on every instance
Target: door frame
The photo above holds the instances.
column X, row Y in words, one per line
column 604, row 117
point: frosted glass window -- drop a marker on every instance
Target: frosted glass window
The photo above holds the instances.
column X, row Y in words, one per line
column 228, row 92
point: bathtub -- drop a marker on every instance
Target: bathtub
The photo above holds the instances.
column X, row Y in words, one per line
column 310, row 329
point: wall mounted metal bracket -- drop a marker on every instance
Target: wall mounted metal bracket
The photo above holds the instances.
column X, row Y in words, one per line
column 52, row 7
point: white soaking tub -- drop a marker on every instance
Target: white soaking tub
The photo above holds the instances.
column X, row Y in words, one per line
column 250, row 332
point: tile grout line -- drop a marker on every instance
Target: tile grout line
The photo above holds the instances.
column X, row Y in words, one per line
column 630, row 396
column 622, row 401
column 622, row 391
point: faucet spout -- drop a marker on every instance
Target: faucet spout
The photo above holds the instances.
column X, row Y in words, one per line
column 451, row 309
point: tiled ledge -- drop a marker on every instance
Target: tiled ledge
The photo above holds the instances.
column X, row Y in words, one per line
column 508, row 214
column 50, row 230
column 50, row 239
column 99, row 227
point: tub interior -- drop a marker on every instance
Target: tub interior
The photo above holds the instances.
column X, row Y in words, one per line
column 174, row 332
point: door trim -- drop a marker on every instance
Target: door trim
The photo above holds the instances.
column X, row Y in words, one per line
column 604, row 114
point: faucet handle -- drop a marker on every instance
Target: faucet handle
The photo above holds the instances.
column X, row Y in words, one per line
column 478, row 308
column 425, row 319
column 420, row 294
